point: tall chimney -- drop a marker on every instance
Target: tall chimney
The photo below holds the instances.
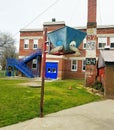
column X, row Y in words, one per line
column 92, row 14
column 91, row 71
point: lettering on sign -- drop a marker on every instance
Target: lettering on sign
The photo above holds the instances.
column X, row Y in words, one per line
column 91, row 31
column 91, row 37
column 91, row 45
column 90, row 61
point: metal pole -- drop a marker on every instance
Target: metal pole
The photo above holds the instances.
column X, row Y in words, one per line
column 43, row 73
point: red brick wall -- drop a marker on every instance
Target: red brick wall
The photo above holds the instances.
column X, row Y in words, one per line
column 105, row 30
column 64, row 65
column 92, row 10
column 69, row 74
column 64, row 69
column 53, row 27
column 29, row 34
column 25, row 52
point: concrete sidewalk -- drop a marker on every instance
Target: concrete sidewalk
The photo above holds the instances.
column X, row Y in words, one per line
column 92, row 116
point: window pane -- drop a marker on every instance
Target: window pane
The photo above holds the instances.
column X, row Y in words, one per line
column 102, row 42
column 35, row 46
column 83, row 65
column 74, row 61
column 34, row 66
column 74, row 65
column 102, row 45
column 49, row 70
column 84, row 43
column 54, row 70
column 34, row 63
column 112, row 45
column 26, row 43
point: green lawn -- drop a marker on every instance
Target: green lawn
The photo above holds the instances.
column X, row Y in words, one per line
column 2, row 73
column 20, row 102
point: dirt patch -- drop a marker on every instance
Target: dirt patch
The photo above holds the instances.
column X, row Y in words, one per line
column 31, row 84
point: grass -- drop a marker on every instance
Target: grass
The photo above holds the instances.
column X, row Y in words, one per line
column 19, row 102
column 2, row 73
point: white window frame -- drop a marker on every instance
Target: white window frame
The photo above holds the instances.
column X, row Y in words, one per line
column 35, row 44
column 103, row 41
column 26, row 43
column 111, row 41
column 84, row 43
column 74, row 66
column 34, row 61
column 83, row 65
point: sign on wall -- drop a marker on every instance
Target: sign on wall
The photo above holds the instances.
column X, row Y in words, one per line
column 90, row 61
column 91, row 43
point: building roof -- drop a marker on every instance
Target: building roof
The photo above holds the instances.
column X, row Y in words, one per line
column 105, row 56
column 98, row 27
column 31, row 29
column 54, row 23
column 108, row 55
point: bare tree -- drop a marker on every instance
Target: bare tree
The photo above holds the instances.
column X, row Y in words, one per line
column 7, row 48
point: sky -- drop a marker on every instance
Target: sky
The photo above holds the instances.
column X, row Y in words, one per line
column 18, row 14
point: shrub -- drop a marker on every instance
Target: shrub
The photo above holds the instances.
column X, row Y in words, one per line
column 98, row 86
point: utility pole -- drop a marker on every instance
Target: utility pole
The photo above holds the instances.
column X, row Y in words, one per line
column 43, row 72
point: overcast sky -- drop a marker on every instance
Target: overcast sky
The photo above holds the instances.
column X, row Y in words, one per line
column 18, row 14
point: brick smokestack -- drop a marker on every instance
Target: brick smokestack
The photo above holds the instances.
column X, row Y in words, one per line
column 92, row 14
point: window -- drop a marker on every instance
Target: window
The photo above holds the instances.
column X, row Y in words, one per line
column 112, row 42
column 84, row 43
column 35, row 44
column 34, row 63
column 26, row 43
column 73, row 65
column 49, row 70
column 83, row 65
column 54, row 70
column 102, row 42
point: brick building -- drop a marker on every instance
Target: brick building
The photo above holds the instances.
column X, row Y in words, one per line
column 69, row 66
column 32, row 39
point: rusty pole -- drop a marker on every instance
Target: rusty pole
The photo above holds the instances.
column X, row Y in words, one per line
column 43, row 72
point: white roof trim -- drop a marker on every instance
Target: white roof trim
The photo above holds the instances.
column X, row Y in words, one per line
column 32, row 29
column 54, row 23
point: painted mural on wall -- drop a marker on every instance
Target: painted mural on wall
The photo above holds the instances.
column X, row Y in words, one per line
column 91, row 43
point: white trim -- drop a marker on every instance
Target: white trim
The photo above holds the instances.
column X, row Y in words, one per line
column 77, row 58
column 35, row 42
column 83, row 65
column 102, row 40
column 111, row 42
column 52, row 61
column 74, row 70
column 54, row 56
column 34, row 61
column 105, row 35
column 20, row 57
column 54, row 23
column 31, row 30
column 31, row 37
column 26, row 43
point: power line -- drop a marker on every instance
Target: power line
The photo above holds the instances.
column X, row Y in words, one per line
column 41, row 13
column 45, row 10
